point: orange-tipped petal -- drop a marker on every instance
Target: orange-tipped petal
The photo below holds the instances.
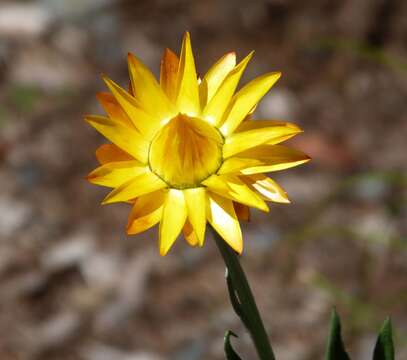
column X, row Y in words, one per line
column 195, row 200
column 148, row 91
column 140, row 185
column 111, row 153
column 146, row 124
column 146, row 212
column 124, row 137
column 189, row 234
column 169, row 73
column 242, row 211
column 115, row 174
column 113, row 108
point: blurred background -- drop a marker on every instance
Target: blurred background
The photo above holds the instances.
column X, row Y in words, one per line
column 73, row 286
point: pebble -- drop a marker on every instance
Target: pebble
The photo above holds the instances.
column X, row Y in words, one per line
column 13, row 216
column 23, row 20
column 70, row 251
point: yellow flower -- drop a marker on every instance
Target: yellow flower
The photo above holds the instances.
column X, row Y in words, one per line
column 185, row 150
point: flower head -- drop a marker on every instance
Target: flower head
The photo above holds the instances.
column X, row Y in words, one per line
column 184, row 150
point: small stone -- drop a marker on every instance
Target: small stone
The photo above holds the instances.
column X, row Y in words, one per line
column 43, row 67
column 102, row 270
column 13, row 216
column 71, row 251
column 70, row 40
column 27, row 20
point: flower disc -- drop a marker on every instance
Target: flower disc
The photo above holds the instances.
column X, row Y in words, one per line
column 186, row 151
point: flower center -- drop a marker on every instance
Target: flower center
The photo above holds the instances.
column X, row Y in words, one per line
column 186, row 151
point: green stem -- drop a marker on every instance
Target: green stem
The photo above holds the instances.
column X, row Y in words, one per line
column 243, row 301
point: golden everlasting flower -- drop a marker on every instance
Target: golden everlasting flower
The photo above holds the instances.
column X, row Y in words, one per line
column 185, row 151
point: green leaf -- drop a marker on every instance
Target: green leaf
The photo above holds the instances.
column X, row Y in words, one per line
column 232, row 295
column 335, row 349
column 384, row 349
column 231, row 354
column 234, row 299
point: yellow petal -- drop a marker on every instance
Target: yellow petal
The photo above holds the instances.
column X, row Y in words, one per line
column 273, row 158
column 189, row 234
column 267, row 187
column 244, row 140
column 234, row 165
column 195, row 200
column 250, row 124
column 146, row 124
column 110, row 153
column 115, row 174
column 146, row 212
column 242, row 211
column 147, row 90
column 124, row 137
column 232, row 187
column 214, row 110
column 246, row 99
column 187, row 89
column 173, row 219
column 113, row 108
column 221, row 215
column 215, row 76
column 168, row 74
column 259, row 124
column 140, row 185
